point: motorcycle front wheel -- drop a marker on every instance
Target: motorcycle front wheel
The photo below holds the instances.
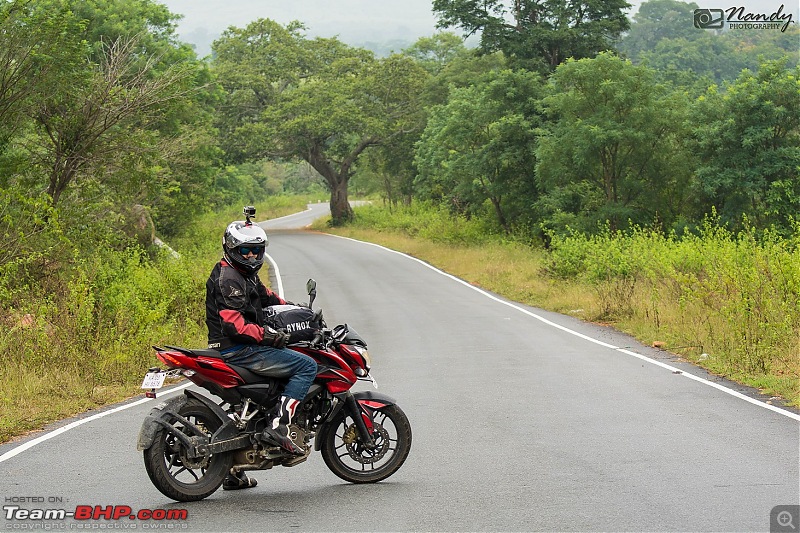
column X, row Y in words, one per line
column 175, row 474
column 348, row 458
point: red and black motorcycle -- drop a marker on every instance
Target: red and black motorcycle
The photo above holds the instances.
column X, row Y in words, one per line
column 191, row 442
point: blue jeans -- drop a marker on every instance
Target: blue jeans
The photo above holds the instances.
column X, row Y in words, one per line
column 279, row 363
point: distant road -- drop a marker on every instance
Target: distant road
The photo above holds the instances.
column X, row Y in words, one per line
column 298, row 220
column 303, row 219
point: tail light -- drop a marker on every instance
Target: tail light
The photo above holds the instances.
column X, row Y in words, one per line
column 169, row 360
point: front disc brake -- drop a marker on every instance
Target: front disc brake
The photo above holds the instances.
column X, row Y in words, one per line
column 360, row 453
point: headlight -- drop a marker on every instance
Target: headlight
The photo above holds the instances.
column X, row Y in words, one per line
column 365, row 355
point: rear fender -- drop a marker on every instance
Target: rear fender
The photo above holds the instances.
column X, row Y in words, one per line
column 162, row 415
column 368, row 401
column 159, row 414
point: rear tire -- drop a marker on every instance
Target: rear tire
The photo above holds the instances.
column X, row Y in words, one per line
column 172, row 472
column 349, row 459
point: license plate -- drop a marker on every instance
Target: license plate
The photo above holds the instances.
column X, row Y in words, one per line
column 154, row 380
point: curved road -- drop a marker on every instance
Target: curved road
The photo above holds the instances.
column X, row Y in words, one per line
column 523, row 421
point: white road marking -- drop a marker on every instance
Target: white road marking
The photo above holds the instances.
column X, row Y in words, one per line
column 588, row 338
column 47, row 436
column 277, row 272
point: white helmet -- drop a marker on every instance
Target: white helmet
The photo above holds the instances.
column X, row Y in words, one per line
column 242, row 237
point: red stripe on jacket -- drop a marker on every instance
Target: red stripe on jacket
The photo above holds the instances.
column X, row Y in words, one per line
column 236, row 319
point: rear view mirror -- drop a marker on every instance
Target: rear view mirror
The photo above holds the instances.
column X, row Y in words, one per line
column 311, row 289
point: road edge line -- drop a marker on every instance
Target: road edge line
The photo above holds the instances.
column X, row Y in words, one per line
column 72, row 425
column 542, row 319
column 277, row 272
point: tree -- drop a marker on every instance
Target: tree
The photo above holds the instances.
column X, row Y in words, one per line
column 390, row 167
column 610, row 150
column 168, row 165
column 34, row 44
column 21, row 63
column 480, row 146
column 693, row 63
column 538, row 34
column 663, row 38
column 748, row 142
column 436, row 52
column 317, row 100
column 99, row 94
column 655, row 21
column 87, row 123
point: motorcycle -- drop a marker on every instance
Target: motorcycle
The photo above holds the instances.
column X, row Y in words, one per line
column 191, row 442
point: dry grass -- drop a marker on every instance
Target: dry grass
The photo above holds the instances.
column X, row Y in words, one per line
column 686, row 329
column 514, row 271
column 59, row 363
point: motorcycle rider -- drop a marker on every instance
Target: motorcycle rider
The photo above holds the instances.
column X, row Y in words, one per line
column 235, row 298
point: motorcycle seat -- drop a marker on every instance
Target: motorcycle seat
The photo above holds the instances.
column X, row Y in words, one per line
column 198, row 352
column 248, row 376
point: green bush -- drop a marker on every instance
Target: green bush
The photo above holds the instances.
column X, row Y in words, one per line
column 427, row 221
column 82, row 308
column 738, row 295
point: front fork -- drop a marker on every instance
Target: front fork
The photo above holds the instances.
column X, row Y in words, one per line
column 359, row 406
column 362, row 419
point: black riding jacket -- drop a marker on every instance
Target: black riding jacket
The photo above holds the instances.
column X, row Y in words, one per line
column 235, row 307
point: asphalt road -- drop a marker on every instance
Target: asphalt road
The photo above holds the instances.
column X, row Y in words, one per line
column 523, row 420
column 298, row 220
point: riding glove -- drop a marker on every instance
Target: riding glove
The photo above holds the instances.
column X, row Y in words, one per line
column 276, row 339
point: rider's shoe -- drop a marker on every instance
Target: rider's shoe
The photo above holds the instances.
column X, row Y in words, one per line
column 280, row 437
column 238, row 481
column 278, row 432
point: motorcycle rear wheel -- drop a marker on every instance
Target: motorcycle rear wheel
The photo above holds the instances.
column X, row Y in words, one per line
column 349, row 459
column 176, row 475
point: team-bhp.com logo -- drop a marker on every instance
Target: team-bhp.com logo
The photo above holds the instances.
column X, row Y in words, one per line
column 85, row 514
column 738, row 19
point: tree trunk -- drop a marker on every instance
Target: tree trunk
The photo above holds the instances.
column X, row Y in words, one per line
column 501, row 218
column 341, row 212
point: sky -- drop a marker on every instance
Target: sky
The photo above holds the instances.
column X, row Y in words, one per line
column 355, row 22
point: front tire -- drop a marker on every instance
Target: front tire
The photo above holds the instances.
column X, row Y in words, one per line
column 176, row 475
column 349, row 459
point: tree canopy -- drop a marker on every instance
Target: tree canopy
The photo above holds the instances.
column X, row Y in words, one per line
column 612, row 139
column 480, row 147
column 538, row 34
column 748, row 141
column 318, row 100
column 541, row 126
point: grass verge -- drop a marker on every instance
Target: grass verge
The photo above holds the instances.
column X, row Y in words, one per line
column 88, row 342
